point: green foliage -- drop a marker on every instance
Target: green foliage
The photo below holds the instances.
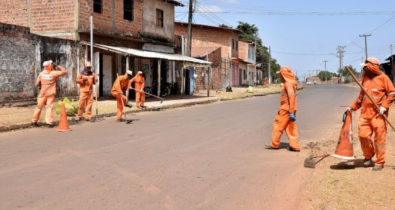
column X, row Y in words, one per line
column 250, row 33
column 325, row 75
column 343, row 72
column 71, row 107
column 225, row 26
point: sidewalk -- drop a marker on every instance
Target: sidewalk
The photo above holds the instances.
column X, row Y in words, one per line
column 12, row 118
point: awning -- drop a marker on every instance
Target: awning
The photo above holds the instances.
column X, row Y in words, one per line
column 152, row 55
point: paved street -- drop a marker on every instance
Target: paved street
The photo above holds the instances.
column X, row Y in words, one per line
column 202, row 157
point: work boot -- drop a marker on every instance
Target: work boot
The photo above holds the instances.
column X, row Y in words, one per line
column 78, row 118
column 34, row 124
column 368, row 163
column 377, row 167
column 88, row 119
column 50, row 125
column 268, row 146
column 121, row 120
column 294, row 145
column 128, row 105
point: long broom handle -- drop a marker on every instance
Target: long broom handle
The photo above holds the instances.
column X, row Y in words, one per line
column 150, row 94
column 370, row 98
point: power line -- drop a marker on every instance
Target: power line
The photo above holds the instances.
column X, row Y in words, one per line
column 299, row 13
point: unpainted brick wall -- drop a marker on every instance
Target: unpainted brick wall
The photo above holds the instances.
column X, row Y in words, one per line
column 111, row 19
column 21, row 61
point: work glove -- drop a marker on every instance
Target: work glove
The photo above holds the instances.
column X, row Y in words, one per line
column 292, row 117
column 141, row 91
column 382, row 110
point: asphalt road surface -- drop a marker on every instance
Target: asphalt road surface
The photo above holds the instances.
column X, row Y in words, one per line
column 201, row 157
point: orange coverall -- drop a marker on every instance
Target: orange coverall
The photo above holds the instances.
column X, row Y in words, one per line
column 288, row 104
column 139, row 82
column 46, row 80
column 86, row 80
column 121, row 85
column 381, row 89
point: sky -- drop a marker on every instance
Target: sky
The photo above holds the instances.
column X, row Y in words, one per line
column 304, row 33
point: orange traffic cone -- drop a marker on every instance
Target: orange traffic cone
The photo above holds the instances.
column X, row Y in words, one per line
column 344, row 149
column 63, row 124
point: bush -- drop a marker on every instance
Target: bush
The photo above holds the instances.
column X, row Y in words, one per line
column 71, row 107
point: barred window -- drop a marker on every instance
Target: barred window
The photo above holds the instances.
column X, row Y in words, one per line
column 97, row 6
column 159, row 18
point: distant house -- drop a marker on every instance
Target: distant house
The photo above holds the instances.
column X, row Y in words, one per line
column 389, row 67
column 247, row 56
column 221, row 46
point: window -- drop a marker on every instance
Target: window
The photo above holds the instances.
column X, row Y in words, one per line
column 97, row 6
column 233, row 44
column 128, row 10
column 159, row 18
column 245, row 74
column 237, row 45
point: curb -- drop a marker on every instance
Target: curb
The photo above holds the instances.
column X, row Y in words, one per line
column 72, row 121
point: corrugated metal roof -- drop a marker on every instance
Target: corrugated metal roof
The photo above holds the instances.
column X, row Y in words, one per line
column 148, row 54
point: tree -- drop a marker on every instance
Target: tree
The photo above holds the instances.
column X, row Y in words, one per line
column 249, row 33
column 343, row 72
column 325, row 75
column 225, row 26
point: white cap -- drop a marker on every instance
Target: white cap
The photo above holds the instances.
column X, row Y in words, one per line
column 47, row 63
column 88, row 64
column 371, row 60
column 130, row 72
column 139, row 72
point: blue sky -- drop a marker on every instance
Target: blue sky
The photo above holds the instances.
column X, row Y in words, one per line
column 302, row 40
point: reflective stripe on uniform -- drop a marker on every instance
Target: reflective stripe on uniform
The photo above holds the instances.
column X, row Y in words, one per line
column 366, row 143
column 380, row 146
column 392, row 93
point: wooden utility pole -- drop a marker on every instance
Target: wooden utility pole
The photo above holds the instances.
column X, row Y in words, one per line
column 190, row 17
column 270, row 67
column 208, row 72
column 159, row 76
column 366, row 43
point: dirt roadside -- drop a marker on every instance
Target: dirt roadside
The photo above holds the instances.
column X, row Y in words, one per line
column 346, row 185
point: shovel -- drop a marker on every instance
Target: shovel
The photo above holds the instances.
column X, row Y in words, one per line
column 157, row 97
column 312, row 160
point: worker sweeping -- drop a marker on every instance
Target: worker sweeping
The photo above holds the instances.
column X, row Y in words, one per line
column 286, row 116
column 86, row 79
column 121, row 85
column 46, row 81
column 371, row 121
column 139, row 82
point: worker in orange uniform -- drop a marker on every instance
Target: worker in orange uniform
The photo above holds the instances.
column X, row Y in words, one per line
column 285, row 119
column 46, row 81
column 121, row 85
column 371, row 121
column 86, row 79
column 139, row 82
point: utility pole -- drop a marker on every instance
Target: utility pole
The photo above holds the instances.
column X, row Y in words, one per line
column 208, row 72
column 325, row 63
column 366, row 43
column 340, row 51
column 190, row 17
column 269, row 67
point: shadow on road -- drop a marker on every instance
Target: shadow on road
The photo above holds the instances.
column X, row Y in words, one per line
column 352, row 164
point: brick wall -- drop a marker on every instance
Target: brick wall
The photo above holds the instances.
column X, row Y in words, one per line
column 21, row 61
column 243, row 50
column 55, row 18
column 14, row 12
column 217, row 72
column 216, row 38
column 111, row 19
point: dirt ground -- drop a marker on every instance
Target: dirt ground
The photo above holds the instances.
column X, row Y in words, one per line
column 336, row 184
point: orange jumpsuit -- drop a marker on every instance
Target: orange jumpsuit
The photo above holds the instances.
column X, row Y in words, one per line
column 139, row 82
column 288, row 104
column 47, row 82
column 121, row 85
column 86, row 80
column 381, row 89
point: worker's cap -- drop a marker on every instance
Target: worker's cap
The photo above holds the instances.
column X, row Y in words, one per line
column 129, row 72
column 47, row 63
column 371, row 60
column 139, row 72
column 88, row 64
